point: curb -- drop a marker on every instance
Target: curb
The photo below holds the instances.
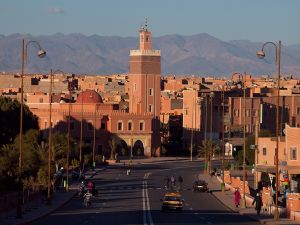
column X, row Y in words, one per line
column 55, row 208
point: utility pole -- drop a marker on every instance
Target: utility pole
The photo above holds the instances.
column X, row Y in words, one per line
column 50, row 138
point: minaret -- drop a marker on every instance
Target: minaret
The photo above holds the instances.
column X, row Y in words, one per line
column 145, row 76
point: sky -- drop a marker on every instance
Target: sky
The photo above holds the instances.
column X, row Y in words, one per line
column 254, row 20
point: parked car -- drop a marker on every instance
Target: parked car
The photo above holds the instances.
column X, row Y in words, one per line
column 200, row 186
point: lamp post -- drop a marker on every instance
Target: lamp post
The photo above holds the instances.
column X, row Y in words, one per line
column 205, row 132
column 243, row 205
column 41, row 53
column 81, row 134
column 192, row 133
column 223, row 143
column 261, row 54
column 211, row 95
column 50, row 140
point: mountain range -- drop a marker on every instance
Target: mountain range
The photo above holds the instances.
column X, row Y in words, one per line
column 200, row 54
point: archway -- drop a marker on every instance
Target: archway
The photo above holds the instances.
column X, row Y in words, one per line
column 122, row 148
column 138, row 148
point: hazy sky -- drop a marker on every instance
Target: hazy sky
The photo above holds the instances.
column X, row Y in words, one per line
column 254, row 20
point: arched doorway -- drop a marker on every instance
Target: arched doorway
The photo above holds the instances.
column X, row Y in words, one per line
column 122, row 149
column 138, row 148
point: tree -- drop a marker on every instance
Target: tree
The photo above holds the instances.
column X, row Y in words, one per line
column 206, row 150
column 113, row 143
column 10, row 120
column 9, row 159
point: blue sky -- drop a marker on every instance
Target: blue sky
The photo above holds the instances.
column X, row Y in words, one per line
column 254, row 20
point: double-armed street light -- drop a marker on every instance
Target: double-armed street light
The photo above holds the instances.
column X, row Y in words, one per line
column 261, row 54
column 41, row 53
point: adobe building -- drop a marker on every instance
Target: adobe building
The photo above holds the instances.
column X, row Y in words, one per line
column 137, row 128
column 288, row 155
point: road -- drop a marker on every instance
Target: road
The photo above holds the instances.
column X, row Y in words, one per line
column 135, row 199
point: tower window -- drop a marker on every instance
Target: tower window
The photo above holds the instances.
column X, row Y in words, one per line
column 150, row 108
column 134, row 87
column 150, row 91
column 147, row 38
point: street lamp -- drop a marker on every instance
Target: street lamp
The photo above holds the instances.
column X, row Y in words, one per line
column 261, row 54
column 41, row 53
column 223, row 145
column 243, row 205
column 192, row 133
column 211, row 95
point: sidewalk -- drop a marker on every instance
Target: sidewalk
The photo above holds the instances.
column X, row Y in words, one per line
column 227, row 199
column 37, row 209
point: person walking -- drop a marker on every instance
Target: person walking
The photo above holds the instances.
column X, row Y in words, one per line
column 237, row 198
column 167, row 179
column 180, row 181
column 270, row 203
column 258, row 201
column 173, row 182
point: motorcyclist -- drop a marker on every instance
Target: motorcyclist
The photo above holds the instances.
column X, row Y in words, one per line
column 87, row 199
column 82, row 189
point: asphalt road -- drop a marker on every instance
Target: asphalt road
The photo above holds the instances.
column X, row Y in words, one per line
column 135, row 199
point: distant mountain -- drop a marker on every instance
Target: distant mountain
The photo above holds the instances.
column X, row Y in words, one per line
column 199, row 54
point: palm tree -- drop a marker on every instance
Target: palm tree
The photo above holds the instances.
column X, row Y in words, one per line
column 113, row 143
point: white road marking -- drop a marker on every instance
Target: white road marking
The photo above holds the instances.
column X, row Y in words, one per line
column 146, row 204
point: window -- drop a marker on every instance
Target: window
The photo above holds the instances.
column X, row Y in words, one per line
column 298, row 110
column 41, row 100
column 150, row 91
column 141, row 125
column 45, row 123
column 134, row 87
column 226, row 128
column 129, row 125
column 186, row 112
column 103, row 125
column 147, row 38
column 248, row 128
column 254, row 112
column 236, row 112
column 120, row 125
column 264, row 151
column 150, row 108
column 248, row 112
column 293, row 151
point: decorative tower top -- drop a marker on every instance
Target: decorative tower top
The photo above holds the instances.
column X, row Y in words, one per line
column 145, row 37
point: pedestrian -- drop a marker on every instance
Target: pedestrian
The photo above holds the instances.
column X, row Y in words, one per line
column 270, row 203
column 173, row 182
column 286, row 190
column 258, row 201
column 180, row 181
column 167, row 183
column 237, row 198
